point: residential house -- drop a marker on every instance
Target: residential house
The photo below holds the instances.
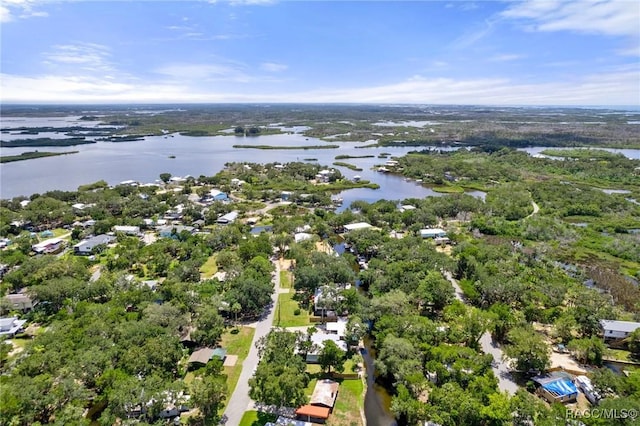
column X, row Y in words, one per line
column 313, row 414
column 317, row 339
column 85, row 247
column 20, row 301
column 618, row 329
column 433, row 233
column 302, row 236
column 357, row 226
column 52, row 245
column 129, row 230
column 11, row 326
column 202, row 356
column 338, row 327
column 227, row 218
column 325, row 394
column 556, row 388
column 218, row 195
column 173, row 231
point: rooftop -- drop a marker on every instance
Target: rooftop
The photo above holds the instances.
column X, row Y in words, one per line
column 624, row 326
column 202, row 356
column 325, row 393
column 358, row 225
column 313, row 411
column 11, row 325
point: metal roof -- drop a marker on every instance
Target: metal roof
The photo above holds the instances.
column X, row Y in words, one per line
column 623, row 326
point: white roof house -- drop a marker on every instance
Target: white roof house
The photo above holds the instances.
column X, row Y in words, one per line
column 618, row 329
column 338, row 327
column 302, row 236
column 228, row 218
column 10, row 326
column 48, row 246
column 130, row 230
column 433, row 233
column 86, row 246
column 356, row 226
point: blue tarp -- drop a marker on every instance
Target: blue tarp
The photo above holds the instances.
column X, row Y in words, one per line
column 561, row 387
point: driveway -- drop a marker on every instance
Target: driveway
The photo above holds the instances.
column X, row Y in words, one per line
column 239, row 401
column 500, row 367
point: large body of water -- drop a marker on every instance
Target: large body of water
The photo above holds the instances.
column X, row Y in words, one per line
column 143, row 161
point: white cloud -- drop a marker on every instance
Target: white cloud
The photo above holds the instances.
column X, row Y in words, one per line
column 190, row 72
column 251, row 2
column 5, row 14
column 89, row 56
column 506, row 57
column 615, row 88
column 609, row 17
column 22, row 9
column 273, row 67
column 475, row 35
column 629, row 51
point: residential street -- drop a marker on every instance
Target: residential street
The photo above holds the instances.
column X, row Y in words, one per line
column 500, row 367
column 239, row 401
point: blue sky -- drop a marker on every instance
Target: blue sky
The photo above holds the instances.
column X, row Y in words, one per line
column 428, row 52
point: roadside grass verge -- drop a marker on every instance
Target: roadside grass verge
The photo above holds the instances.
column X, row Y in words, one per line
column 256, row 418
column 285, row 312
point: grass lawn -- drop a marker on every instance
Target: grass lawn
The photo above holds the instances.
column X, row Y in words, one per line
column 619, row 354
column 58, row 232
column 285, row 317
column 351, row 365
column 236, row 344
column 209, row 267
column 348, row 405
column 255, row 418
column 313, row 368
column 285, row 279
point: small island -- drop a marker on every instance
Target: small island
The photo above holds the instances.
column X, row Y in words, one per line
column 287, row 147
column 31, row 155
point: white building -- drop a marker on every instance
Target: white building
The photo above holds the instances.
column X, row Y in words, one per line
column 356, row 226
column 433, row 233
column 228, row 218
column 87, row 246
column 618, row 329
column 129, row 230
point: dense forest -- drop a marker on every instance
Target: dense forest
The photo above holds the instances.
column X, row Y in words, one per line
column 540, row 261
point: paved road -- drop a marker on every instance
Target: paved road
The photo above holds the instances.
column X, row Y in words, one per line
column 499, row 366
column 240, row 401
